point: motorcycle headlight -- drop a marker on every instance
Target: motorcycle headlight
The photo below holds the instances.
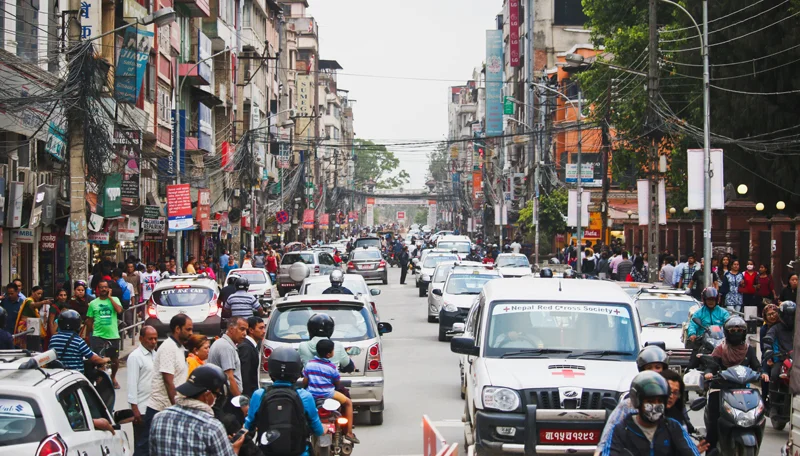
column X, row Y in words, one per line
column 450, row 307
column 741, row 418
column 503, row 399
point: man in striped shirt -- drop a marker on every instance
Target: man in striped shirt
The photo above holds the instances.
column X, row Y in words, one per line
column 241, row 303
column 321, row 378
column 70, row 349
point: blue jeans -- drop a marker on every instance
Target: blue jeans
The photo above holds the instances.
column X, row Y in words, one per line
column 141, row 441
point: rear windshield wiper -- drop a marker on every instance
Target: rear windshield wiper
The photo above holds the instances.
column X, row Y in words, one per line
column 534, row 351
column 661, row 323
column 600, row 353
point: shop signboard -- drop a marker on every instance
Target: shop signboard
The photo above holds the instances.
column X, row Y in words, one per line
column 101, row 237
column 179, row 207
column 494, row 82
column 128, row 144
column 49, row 207
column 308, row 219
column 112, row 196
column 204, row 209
column 38, row 203
column 131, row 64
column 14, row 216
column 22, row 236
column 324, row 220
column 47, row 242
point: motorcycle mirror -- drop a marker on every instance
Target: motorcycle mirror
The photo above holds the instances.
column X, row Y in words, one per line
column 436, row 291
column 299, row 271
column 698, row 404
column 698, row 322
column 331, row 405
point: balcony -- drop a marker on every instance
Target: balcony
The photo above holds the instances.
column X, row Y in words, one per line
column 193, row 8
column 303, row 25
column 251, row 41
column 220, row 33
column 195, row 74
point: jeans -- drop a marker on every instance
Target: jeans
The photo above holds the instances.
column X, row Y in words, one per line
column 141, row 442
column 711, row 418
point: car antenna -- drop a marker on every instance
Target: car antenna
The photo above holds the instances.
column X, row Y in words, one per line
column 559, row 285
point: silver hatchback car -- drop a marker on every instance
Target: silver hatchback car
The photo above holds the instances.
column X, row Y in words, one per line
column 356, row 329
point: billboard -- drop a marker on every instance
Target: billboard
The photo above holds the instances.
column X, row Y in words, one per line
column 131, row 64
column 494, row 82
column 129, row 145
column 179, row 207
column 305, row 95
column 513, row 33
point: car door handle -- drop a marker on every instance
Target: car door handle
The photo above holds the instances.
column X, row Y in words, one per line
column 104, row 449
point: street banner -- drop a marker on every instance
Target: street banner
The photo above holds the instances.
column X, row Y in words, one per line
column 513, row 33
column 49, row 206
column 352, row 216
column 112, row 196
column 179, row 207
column 324, row 220
column 477, row 184
column 152, row 221
column 131, row 65
column 99, row 238
column 494, row 82
column 129, row 146
column 572, row 208
column 662, row 202
column 95, row 222
column 308, row 219
column 15, row 194
column 204, row 208
column 38, row 203
column 643, row 201
column 696, row 182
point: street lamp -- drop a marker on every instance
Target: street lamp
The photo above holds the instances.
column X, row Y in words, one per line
column 759, row 207
column 686, row 210
column 780, row 205
column 741, row 189
column 672, row 210
column 630, row 213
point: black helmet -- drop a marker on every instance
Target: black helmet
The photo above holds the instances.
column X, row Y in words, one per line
column 320, row 325
column 69, row 320
column 242, row 284
column 233, row 278
column 3, row 315
column 787, row 311
column 337, row 278
column 546, row 273
column 648, row 384
column 284, row 364
column 735, row 329
column 650, row 355
column 709, row 293
column 208, row 377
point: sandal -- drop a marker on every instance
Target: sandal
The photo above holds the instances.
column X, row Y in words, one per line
column 353, row 439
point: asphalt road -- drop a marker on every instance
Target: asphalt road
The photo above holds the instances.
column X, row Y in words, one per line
column 422, row 379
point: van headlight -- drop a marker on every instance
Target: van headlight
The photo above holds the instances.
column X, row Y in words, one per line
column 503, row 399
column 450, row 307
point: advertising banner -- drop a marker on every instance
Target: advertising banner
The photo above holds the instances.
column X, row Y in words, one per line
column 204, row 208
column 494, row 82
column 572, row 208
column 38, row 203
column 696, row 182
column 95, row 222
column 14, row 216
column 47, row 242
column 305, row 95
column 477, row 184
column 128, row 230
column 152, row 221
column 324, row 220
column 513, row 32
column 204, row 131
column 308, row 219
column 179, row 207
column 131, row 65
column 112, row 196
column 129, row 147
column 2, row 201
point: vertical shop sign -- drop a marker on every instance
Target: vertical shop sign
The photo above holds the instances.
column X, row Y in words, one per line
column 38, row 203
column 204, row 209
column 513, row 32
column 179, row 207
column 15, row 194
column 129, row 146
column 494, row 82
column 112, row 196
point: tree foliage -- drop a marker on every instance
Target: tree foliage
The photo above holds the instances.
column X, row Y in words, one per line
column 438, row 161
column 552, row 210
column 754, row 47
column 375, row 162
column 421, row 216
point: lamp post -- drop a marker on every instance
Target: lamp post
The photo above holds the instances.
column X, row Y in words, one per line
column 176, row 148
column 741, row 189
column 536, row 179
column 759, row 207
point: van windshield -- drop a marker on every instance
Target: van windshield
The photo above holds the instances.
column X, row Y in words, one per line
column 458, row 246
column 575, row 330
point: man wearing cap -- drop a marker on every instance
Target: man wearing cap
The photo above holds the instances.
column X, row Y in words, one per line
column 189, row 427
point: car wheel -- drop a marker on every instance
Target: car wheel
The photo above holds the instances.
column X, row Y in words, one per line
column 431, row 319
column 442, row 334
column 421, row 292
column 386, row 279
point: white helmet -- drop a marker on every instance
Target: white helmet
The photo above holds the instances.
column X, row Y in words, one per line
column 337, row 278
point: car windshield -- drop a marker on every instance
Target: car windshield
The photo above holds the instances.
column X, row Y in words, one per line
column 368, row 242
column 20, row 421
column 578, row 329
column 458, row 246
column 467, row 284
column 513, row 261
column 356, row 285
column 654, row 311
column 366, row 255
column 441, row 272
column 291, row 258
column 432, row 260
column 289, row 325
column 254, row 276
column 183, row 296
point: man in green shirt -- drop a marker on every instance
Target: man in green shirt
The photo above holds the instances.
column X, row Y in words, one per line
column 102, row 324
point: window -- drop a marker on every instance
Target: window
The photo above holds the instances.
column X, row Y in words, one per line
column 70, row 401
column 28, row 29
column 326, row 259
column 150, row 80
column 568, row 12
column 247, row 13
column 164, row 104
column 21, row 421
column 96, row 406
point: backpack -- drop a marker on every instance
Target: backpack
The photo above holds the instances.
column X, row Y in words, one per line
column 282, row 410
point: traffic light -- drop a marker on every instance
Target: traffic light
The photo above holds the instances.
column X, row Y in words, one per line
column 479, row 147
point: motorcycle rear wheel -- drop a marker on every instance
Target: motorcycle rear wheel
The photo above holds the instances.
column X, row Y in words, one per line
column 778, row 425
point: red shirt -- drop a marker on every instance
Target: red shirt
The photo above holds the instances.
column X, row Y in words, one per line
column 766, row 289
column 272, row 264
column 748, row 285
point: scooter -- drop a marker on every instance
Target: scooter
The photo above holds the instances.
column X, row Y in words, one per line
column 780, row 397
column 333, row 423
column 741, row 412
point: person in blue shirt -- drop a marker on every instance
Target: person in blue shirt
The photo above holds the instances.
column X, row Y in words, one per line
column 11, row 302
column 710, row 314
column 285, row 368
column 70, row 348
column 782, row 337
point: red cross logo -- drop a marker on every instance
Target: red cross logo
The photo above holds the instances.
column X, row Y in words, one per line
column 616, row 311
column 506, row 309
column 569, row 373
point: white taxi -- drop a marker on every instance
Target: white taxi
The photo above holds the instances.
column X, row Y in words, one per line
column 49, row 412
column 663, row 312
column 193, row 295
column 543, row 354
column 260, row 284
column 513, row 265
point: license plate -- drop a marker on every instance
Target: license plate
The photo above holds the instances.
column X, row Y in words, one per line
column 325, row 440
column 569, row 436
column 287, row 284
column 742, row 392
column 367, row 266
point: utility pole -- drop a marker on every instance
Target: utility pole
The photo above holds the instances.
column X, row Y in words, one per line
column 606, row 144
column 531, row 146
column 78, row 233
column 652, row 119
column 579, row 228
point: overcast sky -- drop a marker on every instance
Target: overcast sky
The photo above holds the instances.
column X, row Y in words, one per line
column 441, row 40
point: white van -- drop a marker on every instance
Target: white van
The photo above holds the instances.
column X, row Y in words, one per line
column 538, row 358
column 461, row 244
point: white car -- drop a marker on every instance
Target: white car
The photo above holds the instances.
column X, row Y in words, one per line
column 260, row 284
column 53, row 409
column 427, row 266
column 663, row 313
column 542, row 355
column 317, row 284
column 460, row 289
column 513, row 265
column 193, row 295
column 437, row 283
column 461, row 244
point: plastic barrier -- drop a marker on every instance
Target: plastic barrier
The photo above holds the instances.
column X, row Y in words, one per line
column 433, row 443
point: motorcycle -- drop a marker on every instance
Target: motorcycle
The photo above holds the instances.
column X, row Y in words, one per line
column 333, row 423
column 741, row 412
column 389, row 257
column 780, row 397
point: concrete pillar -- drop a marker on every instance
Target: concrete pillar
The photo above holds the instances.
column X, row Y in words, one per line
column 779, row 225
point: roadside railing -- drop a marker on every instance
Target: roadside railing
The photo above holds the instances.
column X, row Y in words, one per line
column 132, row 330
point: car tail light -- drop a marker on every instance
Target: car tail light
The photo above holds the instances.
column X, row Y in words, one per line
column 316, row 269
column 267, row 353
column 382, row 264
column 374, row 308
column 341, row 421
column 52, row 445
column 152, row 312
column 374, row 358
column 350, row 265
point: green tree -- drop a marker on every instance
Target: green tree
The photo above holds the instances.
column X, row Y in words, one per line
column 375, row 163
column 421, row 216
column 438, row 162
column 552, row 210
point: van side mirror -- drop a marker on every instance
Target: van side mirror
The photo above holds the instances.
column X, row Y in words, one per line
column 436, row 291
column 458, row 328
column 464, row 346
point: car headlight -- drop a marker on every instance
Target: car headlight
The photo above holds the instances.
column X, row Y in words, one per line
column 503, row 399
column 450, row 307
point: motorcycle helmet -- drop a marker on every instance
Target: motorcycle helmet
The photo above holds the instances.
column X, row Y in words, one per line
column 3, row 315
column 709, row 293
column 787, row 311
column 284, row 364
column 650, row 355
column 648, row 384
column 570, row 274
column 242, row 284
column 337, row 278
column 208, row 377
column 546, row 273
column 735, row 329
column 232, row 279
column 320, row 325
column 69, row 320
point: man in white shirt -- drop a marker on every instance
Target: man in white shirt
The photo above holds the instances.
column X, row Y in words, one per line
column 516, row 246
column 140, row 384
column 148, row 281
